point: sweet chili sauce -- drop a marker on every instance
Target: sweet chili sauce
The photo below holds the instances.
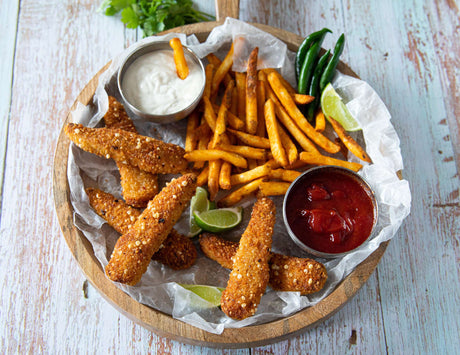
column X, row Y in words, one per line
column 330, row 211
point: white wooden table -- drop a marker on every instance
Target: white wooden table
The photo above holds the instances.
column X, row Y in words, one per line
column 408, row 51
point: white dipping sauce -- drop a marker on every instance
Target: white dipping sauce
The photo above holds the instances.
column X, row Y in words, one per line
column 152, row 86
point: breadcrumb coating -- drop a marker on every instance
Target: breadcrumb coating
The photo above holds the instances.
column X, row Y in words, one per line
column 134, row 249
column 177, row 251
column 250, row 272
column 138, row 186
column 287, row 273
column 148, row 154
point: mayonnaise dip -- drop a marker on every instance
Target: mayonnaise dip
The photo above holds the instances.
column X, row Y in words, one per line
column 151, row 83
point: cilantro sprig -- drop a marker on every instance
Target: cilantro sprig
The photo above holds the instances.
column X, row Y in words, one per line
column 155, row 15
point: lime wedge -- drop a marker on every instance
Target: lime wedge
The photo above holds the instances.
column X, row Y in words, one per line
column 219, row 220
column 199, row 203
column 333, row 106
column 211, row 294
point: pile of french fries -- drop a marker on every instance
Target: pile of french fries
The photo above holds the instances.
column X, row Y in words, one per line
column 248, row 134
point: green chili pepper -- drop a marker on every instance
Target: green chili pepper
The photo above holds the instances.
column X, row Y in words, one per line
column 314, row 86
column 328, row 73
column 305, row 46
column 307, row 68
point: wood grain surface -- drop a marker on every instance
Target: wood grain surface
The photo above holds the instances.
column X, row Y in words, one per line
column 408, row 51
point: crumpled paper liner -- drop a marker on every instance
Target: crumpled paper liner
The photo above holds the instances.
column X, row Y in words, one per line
column 159, row 287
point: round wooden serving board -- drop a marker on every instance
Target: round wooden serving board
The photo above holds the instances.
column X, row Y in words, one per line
column 163, row 324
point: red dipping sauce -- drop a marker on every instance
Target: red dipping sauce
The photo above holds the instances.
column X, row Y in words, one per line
column 330, row 210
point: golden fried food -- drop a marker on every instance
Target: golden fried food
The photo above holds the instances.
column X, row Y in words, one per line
column 287, row 273
column 250, row 272
column 134, row 249
column 148, row 154
column 177, row 251
column 138, row 186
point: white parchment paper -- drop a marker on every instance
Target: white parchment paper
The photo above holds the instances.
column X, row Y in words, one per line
column 159, row 286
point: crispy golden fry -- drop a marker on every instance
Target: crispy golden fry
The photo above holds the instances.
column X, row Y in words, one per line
column 289, row 146
column 276, row 147
column 221, row 71
column 284, row 174
column 240, row 79
column 178, row 251
column 209, row 114
column 249, row 139
column 203, row 143
column 227, row 98
column 244, row 150
column 320, row 121
column 214, row 154
column 287, row 273
column 179, row 58
column 234, row 105
column 213, row 178
column 203, row 176
column 221, row 126
column 285, row 83
column 251, row 93
column 260, row 109
column 217, row 62
column 298, row 117
column 224, row 177
column 343, row 148
column 233, row 121
column 269, row 93
column 209, row 73
column 236, row 196
column 148, row 154
column 300, row 99
column 250, row 271
column 134, row 249
column 318, row 159
column 191, row 139
column 138, row 186
column 244, row 177
column 273, row 188
column 299, row 136
column 349, row 142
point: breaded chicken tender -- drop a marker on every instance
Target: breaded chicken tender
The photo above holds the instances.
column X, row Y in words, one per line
column 134, row 249
column 250, row 273
column 287, row 273
column 138, row 186
column 177, row 251
column 148, row 154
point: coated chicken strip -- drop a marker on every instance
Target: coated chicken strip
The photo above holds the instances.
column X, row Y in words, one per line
column 177, row 251
column 148, row 154
column 134, row 249
column 249, row 276
column 138, row 186
column 287, row 273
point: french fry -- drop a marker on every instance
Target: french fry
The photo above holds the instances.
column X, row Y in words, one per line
column 318, row 159
column 300, row 99
column 224, row 176
column 349, row 142
column 286, row 84
column 269, row 93
column 203, row 143
column 249, row 175
column 202, row 178
column 217, row 62
column 343, row 148
column 191, row 139
column 240, row 79
column 209, row 73
column 260, row 109
column 214, row 154
column 233, row 121
column 289, row 146
column 273, row 188
column 237, row 195
column 284, row 174
column 234, row 105
column 209, row 114
column 251, row 92
column 179, row 58
column 221, row 71
column 213, row 178
column 244, row 151
column 249, row 139
column 320, row 121
column 276, row 147
column 298, row 117
column 299, row 136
